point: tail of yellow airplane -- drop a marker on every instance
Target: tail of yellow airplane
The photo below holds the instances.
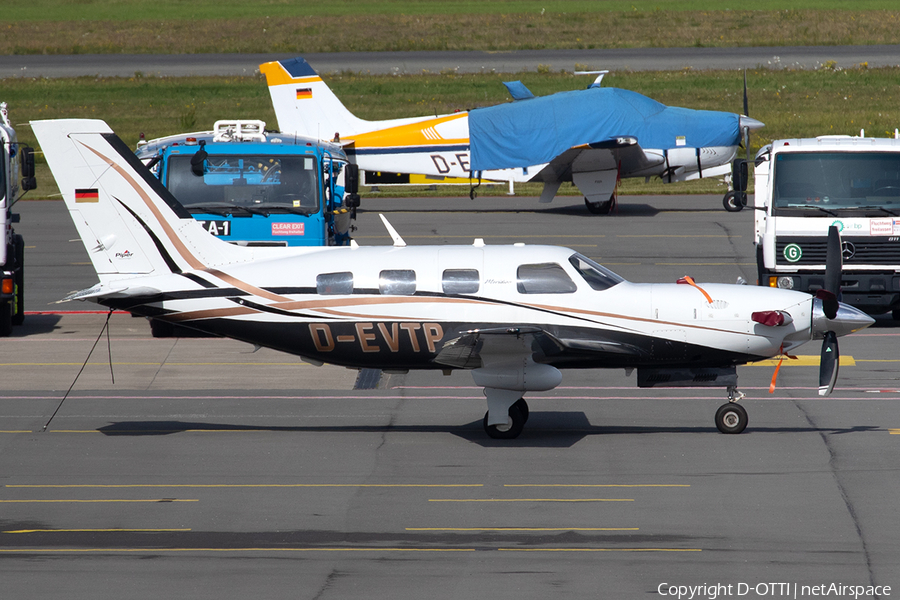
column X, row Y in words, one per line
column 305, row 105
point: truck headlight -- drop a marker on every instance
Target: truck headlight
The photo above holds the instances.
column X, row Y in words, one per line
column 786, row 283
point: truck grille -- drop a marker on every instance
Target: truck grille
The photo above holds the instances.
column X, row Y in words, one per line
column 861, row 251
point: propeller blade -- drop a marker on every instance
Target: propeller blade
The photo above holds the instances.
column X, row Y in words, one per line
column 746, row 103
column 830, row 304
column 828, row 365
column 746, row 114
column 833, row 262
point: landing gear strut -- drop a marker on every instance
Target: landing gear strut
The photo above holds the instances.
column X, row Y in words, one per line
column 732, row 417
column 518, row 415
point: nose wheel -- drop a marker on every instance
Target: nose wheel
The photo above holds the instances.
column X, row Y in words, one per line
column 731, row 418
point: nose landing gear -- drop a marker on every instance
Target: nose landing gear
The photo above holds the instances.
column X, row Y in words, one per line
column 732, row 417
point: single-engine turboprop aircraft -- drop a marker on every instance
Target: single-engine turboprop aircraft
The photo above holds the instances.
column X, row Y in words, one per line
column 591, row 137
column 513, row 315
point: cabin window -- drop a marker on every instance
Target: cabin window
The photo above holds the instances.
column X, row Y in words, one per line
column 334, row 284
column 460, row 281
column 397, row 282
column 543, row 278
column 596, row 275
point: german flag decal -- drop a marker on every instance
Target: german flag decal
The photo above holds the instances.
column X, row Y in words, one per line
column 90, row 195
column 304, row 93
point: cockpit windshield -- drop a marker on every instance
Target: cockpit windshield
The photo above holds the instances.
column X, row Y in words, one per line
column 863, row 184
column 245, row 183
column 597, row 276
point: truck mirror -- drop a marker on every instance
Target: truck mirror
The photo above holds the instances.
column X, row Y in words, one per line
column 351, row 179
column 27, row 162
column 739, row 175
column 197, row 161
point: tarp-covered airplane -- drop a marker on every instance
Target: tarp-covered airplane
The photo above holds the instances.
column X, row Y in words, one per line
column 513, row 315
column 591, row 137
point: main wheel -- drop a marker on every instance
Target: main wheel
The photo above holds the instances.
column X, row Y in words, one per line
column 731, row 418
column 732, row 202
column 523, row 408
column 509, row 430
column 598, row 208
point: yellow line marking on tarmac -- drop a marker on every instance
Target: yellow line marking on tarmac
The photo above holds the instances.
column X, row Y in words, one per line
column 276, row 549
column 531, row 500
column 894, row 431
column 596, row 485
column 803, row 360
column 99, row 500
column 600, row 549
column 249, row 485
column 522, row 529
column 877, row 360
column 91, row 530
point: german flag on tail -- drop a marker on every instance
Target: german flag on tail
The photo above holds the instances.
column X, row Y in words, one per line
column 304, row 93
column 87, row 195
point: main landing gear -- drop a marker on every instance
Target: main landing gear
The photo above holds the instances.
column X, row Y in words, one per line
column 518, row 416
column 732, row 417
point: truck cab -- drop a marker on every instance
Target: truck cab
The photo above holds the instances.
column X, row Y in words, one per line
column 803, row 186
column 255, row 187
column 12, row 249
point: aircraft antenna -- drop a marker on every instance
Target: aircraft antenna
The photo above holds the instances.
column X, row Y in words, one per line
column 398, row 241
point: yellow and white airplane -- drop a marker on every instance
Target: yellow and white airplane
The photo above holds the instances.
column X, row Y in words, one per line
column 592, row 137
column 515, row 316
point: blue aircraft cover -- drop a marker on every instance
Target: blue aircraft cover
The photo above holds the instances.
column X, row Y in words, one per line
column 528, row 133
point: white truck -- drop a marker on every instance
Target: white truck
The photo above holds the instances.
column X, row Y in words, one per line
column 12, row 249
column 803, row 186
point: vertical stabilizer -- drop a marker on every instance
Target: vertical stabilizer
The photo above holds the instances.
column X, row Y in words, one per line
column 305, row 105
column 129, row 223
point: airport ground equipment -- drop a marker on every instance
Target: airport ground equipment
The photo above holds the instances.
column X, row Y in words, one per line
column 804, row 186
column 16, row 159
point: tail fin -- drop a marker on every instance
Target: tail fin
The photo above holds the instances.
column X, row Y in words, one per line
column 129, row 223
column 305, row 105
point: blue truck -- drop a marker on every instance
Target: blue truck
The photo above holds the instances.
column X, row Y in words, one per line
column 254, row 187
column 251, row 186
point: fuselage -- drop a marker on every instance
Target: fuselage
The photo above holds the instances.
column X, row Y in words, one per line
column 398, row 307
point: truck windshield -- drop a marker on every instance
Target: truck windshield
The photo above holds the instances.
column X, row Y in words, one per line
column 245, row 183
column 847, row 183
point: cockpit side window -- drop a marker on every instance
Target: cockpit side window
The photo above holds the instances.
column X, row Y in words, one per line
column 596, row 275
column 397, row 282
column 543, row 278
column 334, row 284
column 460, row 281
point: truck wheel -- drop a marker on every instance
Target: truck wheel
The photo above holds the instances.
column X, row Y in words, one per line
column 732, row 202
column 5, row 319
column 18, row 316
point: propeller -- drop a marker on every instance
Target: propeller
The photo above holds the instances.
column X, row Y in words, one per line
column 830, row 359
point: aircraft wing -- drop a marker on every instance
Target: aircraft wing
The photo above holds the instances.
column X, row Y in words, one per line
column 622, row 153
column 478, row 347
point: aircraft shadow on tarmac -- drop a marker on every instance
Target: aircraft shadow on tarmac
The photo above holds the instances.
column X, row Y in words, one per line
column 545, row 429
column 629, row 209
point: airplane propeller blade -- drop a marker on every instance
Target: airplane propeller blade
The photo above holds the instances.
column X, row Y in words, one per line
column 747, row 114
column 833, row 262
column 828, row 364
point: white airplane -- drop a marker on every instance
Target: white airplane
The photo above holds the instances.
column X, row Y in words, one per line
column 591, row 137
column 513, row 315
